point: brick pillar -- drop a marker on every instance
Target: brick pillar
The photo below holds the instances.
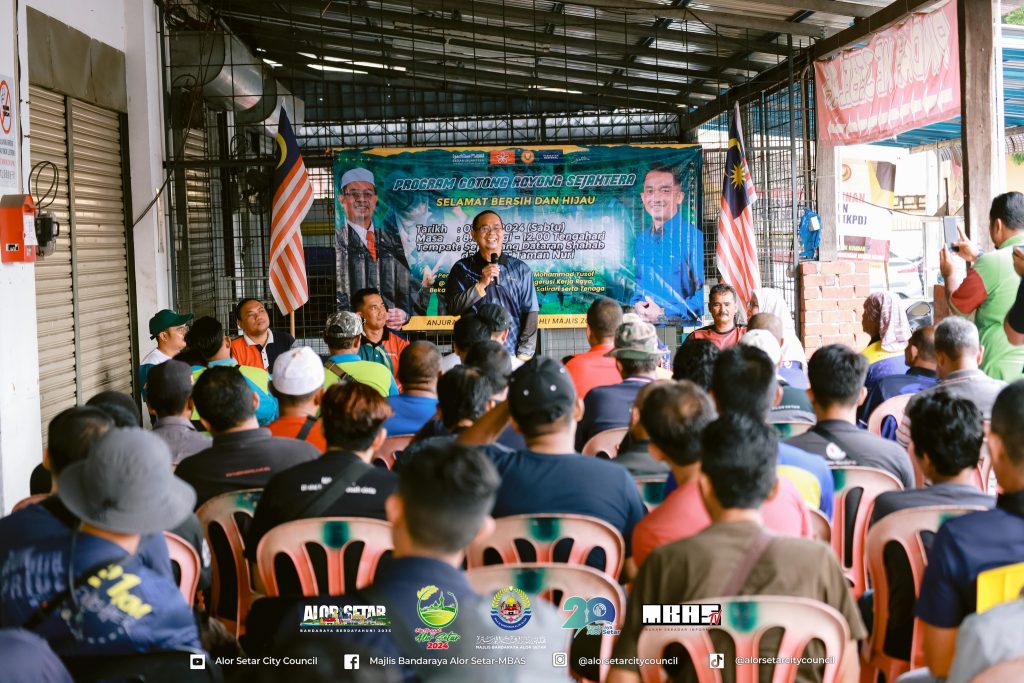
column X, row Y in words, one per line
column 831, row 302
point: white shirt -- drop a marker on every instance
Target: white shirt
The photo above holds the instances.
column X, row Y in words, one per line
column 450, row 361
column 155, row 357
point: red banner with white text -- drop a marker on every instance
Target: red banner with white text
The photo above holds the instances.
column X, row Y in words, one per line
column 906, row 77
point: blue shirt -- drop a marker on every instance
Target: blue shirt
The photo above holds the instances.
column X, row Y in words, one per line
column 886, row 367
column 887, row 387
column 608, row 407
column 50, row 520
column 129, row 609
column 670, row 269
column 534, row 483
column 257, row 379
column 964, row 547
column 795, row 457
column 514, row 292
column 410, row 413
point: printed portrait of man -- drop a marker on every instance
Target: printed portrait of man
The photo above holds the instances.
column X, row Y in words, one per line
column 669, row 253
column 367, row 254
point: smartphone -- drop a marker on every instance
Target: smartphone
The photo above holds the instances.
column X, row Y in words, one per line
column 1019, row 250
column 950, row 233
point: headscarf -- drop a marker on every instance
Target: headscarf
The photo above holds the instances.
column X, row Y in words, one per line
column 893, row 326
column 771, row 301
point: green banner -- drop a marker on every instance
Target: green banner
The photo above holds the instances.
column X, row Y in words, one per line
column 613, row 220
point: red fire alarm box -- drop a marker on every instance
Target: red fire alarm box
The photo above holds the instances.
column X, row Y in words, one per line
column 17, row 229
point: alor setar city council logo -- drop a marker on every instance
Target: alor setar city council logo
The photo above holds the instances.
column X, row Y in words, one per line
column 510, row 608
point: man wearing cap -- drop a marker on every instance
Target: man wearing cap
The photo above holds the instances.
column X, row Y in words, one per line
column 168, row 328
column 550, row 476
column 367, row 256
column 298, row 386
column 343, row 335
column 379, row 343
column 490, row 276
column 636, row 356
column 170, row 398
column 259, row 346
column 116, row 604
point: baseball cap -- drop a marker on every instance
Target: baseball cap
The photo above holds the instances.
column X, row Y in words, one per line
column 126, row 485
column 298, row 372
column 344, row 324
column 167, row 318
column 495, row 316
column 764, row 340
column 357, row 175
column 541, row 391
column 635, row 340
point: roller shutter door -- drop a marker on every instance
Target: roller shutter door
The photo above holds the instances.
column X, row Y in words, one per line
column 200, row 240
column 83, row 288
column 101, row 251
column 54, row 296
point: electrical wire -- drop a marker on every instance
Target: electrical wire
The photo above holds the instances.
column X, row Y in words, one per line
column 46, row 199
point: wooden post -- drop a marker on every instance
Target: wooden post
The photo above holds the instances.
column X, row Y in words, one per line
column 981, row 127
column 827, row 175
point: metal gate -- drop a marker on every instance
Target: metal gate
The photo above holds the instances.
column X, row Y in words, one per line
column 83, row 289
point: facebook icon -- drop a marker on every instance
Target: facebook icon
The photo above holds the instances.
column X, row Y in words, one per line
column 351, row 662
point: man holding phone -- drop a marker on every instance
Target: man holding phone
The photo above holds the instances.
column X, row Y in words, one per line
column 991, row 285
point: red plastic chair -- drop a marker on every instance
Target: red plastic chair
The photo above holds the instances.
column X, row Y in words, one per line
column 186, row 559
column 895, row 407
column 385, row 455
column 905, row 528
column 333, row 535
column 575, row 587
column 220, row 518
column 543, row 532
column 820, row 525
column 745, row 620
column 606, row 442
column 872, row 483
column 1010, row 671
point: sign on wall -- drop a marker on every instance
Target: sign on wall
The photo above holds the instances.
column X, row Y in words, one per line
column 8, row 138
column 906, row 77
column 865, row 212
column 618, row 221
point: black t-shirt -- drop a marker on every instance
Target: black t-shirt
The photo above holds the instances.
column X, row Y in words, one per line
column 282, row 494
column 242, row 460
column 842, row 444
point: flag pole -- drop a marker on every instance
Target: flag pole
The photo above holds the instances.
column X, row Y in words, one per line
column 291, row 324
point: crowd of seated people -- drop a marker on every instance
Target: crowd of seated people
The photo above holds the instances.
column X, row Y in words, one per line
column 85, row 565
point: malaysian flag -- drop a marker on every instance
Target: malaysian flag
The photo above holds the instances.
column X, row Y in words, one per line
column 293, row 197
column 737, row 246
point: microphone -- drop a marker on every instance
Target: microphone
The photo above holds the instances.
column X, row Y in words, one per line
column 494, row 259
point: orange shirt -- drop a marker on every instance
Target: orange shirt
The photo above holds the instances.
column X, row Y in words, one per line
column 593, row 369
column 289, row 427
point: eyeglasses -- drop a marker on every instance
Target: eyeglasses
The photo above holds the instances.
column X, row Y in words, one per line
column 491, row 231
column 365, row 194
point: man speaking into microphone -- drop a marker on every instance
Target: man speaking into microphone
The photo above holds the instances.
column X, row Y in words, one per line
column 489, row 276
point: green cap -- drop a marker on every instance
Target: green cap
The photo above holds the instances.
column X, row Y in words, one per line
column 167, row 318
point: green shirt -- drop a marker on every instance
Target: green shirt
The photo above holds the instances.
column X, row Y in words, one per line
column 363, row 371
column 989, row 292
